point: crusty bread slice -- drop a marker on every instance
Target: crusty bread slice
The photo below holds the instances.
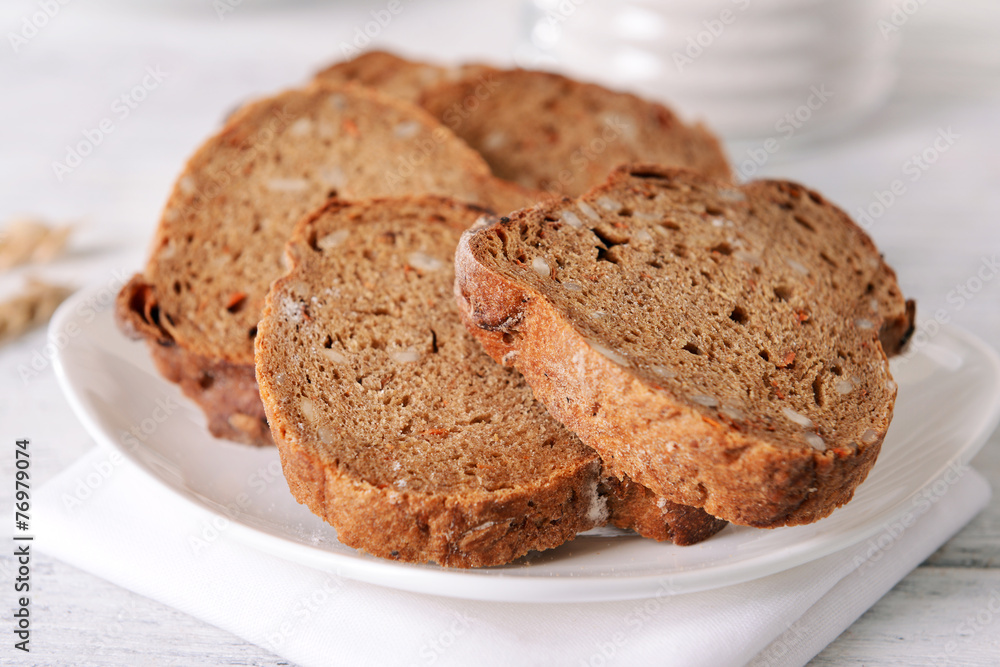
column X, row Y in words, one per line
column 542, row 130
column 219, row 243
column 719, row 344
column 549, row 132
column 393, row 424
column 403, row 79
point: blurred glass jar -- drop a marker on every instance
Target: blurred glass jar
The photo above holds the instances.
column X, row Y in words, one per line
column 750, row 68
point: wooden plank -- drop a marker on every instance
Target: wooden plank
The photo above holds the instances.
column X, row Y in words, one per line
column 79, row 619
column 978, row 544
column 935, row 616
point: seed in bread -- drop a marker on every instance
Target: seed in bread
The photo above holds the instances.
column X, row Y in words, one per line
column 719, row 344
column 219, row 243
column 395, row 427
column 548, row 132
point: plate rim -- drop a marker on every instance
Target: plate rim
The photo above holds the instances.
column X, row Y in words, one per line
column 497, row 586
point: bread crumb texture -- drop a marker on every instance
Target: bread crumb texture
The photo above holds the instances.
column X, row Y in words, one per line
column 717, row 343
column 392, row 423
column 551, row 133
column 220, row 240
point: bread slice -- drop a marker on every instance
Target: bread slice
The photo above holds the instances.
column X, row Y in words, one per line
column 718, row 344
column 219, row 243
column 542, row 130
column 395, row 76
column 549, row 132
column 395, row 427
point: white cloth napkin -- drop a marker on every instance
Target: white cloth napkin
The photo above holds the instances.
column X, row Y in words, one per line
column 137, row 535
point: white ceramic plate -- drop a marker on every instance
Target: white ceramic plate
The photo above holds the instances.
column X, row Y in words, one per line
column 949, row 403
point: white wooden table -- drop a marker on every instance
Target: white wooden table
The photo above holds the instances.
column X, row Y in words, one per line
column 193, row 66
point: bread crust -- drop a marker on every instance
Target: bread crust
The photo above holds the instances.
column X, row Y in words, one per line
column 639, row 429
column 634, row 507
column 217, row 247
column 353, row 486
column 222, row 212
column 454, row 532
column 633, row 427
column 896, row 331
column 488, row 532
column 226, row 392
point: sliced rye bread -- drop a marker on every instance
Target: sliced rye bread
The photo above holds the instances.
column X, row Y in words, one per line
column 392, row 423
column 719, row 344
column 539, row 129
column 220, row 240
column 395, row 76
column 548, row 132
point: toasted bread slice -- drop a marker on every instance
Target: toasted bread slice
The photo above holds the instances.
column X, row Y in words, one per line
column 548, row 132
column 220, row 240
column 392, row 423
column 718, row 344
